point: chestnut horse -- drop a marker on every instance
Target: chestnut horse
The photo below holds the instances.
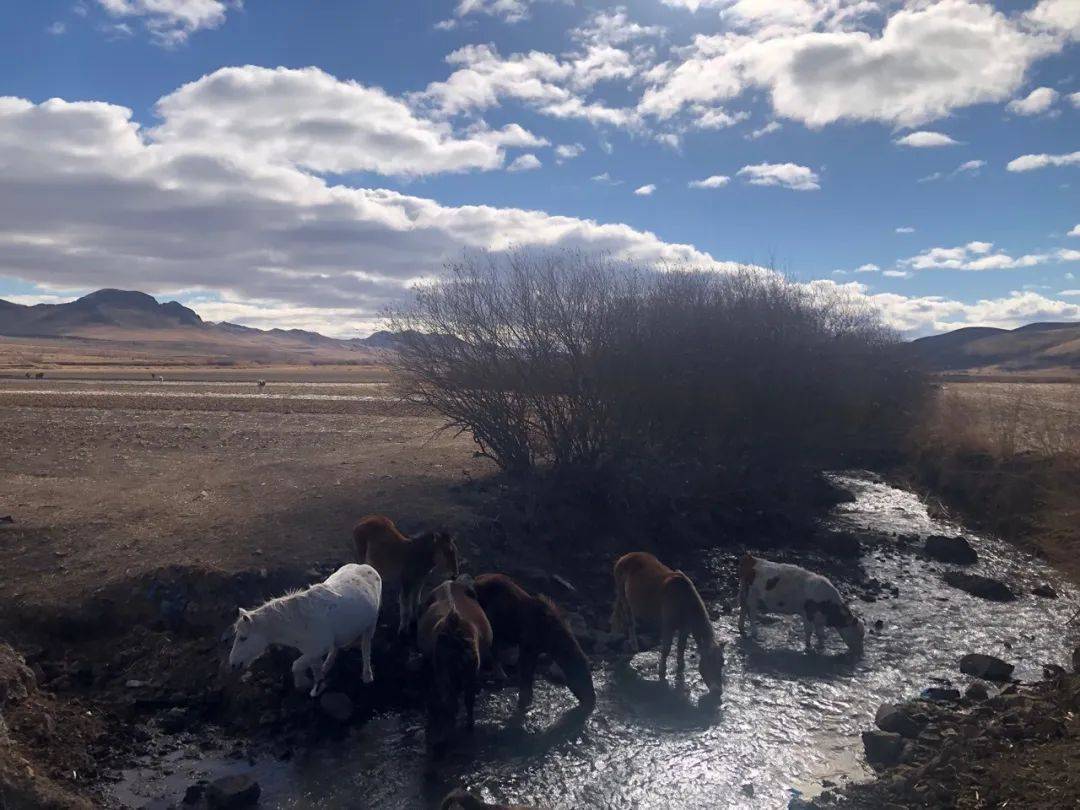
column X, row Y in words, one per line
column 455, row 637
column 536, row 626
column 649, row 592
column 461, row 799
column 403, row 561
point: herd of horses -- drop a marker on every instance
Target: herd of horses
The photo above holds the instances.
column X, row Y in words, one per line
column 463, row 624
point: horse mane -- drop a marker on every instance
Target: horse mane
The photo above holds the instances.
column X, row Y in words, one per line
column 566, row 640
column 283, row 605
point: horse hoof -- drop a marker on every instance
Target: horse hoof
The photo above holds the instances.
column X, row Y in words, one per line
column 368, row 678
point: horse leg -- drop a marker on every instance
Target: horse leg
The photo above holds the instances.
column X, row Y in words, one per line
column 527, row 670
column 365, row 651
column 680, row 653
column 323, row 671
column 742, row 615
column 808, row 631
column 403, row 616
column 300, row 668
column 819, row 631
column 665, row 651
column 635, row 645
column 618, row 611
column 470, row 703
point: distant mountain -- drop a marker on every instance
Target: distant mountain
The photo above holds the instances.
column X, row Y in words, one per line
column 1034, row 347
column 112, row 309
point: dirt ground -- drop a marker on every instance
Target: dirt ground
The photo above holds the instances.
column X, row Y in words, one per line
column 108, row 480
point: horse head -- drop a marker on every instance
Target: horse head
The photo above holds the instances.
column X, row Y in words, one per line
column 711, row 665
column 446, row 553
column 249, row 641
column 565, row 649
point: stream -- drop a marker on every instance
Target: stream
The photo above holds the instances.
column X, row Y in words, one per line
column 786, row 720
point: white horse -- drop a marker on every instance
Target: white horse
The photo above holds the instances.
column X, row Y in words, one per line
column 318, row 621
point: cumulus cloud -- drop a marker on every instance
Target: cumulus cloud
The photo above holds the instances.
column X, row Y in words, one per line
column 1059, row 16
column 715, row 181
column 768, row 129
column 981, row 256
column 311, row 119
column 510, row 11
column 785, row 175
column 867, row 268
column 1027, row 163
column 1075, row 231
column 87, row 194
column 524, row 163
column 646, row 190
column 924, row 140
column 568, row 151
column 170, row 22
column 927, row 60
column 1036, row 102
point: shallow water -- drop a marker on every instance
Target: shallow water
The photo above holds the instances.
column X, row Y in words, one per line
column 786, row 720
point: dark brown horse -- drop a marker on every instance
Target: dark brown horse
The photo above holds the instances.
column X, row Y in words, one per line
column 649, row 592
column 535, row 625
column 461, row 799
column 454, row 635
column 402, row 561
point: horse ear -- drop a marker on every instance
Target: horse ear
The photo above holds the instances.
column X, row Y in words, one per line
column 244, row 615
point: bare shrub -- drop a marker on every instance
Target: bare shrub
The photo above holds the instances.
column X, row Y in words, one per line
column 669, row 383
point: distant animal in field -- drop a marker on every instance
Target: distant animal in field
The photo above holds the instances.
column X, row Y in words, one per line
column 159, row 378
column 40, row 375
column 648, row 592
column 28, row 375
column 261, row 383
column 318, row 621
column 455, row 637
column 535, row 625
column 461, row 799
column 770, row 587
column 403, row 561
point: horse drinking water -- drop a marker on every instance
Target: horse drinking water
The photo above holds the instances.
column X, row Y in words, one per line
column 649, row 592
column 318, row 621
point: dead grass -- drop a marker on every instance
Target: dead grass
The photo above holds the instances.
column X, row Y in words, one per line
column 1007, row 455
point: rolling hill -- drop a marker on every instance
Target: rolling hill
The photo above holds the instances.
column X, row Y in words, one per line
column 1036, row 347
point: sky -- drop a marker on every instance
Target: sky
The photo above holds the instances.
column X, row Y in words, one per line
column 305, row 164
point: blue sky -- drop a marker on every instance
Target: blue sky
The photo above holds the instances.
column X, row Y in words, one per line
column 303, row 163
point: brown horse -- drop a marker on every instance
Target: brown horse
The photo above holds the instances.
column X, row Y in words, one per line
column 648, row 591
column 455, row 637
column 403, row 561
column 461, row 799
column 536, row 626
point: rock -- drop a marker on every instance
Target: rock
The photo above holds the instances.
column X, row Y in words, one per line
column 891, row 717
column 336, row 705
column 232, row 791
column 984, row 587
column 194, row 793
column 950, row 549
column 882, row 747
column 175, row 720
column 940, row 693
column 987, row 667
column 840, row 544
column 1045, row 590
column 977, row 690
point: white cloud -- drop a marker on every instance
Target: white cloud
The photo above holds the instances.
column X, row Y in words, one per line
column 982, row 256
column 606, row 179
column 1062, row 16
column 905, row 229
column 867, row 268
column 89, row 197
column 57, row 28
column 897, row 274
column 311, row 119
column 1069, row 292
column 786, row 175
column 1075, row 231
column 968, row 168
column 715, row 181
column 923, row 140
column 1036, row 102
column 927, row 61
column 1074, row 99
column 769, row 128
column 1026, row 163
column 510, row 11
column 568, row 151
column 170, row 22
column 646, row 190
column 524, row 163
column 614, row 27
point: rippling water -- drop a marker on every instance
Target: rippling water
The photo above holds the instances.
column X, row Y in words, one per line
column 786, row 720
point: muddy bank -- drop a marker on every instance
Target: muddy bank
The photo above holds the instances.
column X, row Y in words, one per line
column 1018, row 746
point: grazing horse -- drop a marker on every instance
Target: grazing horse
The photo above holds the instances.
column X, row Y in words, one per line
column 454, row 635
column 318, row 621
column 769, row 587
column 461, row 799
column 261, row 383
column 536, row 626
column 40, row 375
column 403, row 561
column 648, row 591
